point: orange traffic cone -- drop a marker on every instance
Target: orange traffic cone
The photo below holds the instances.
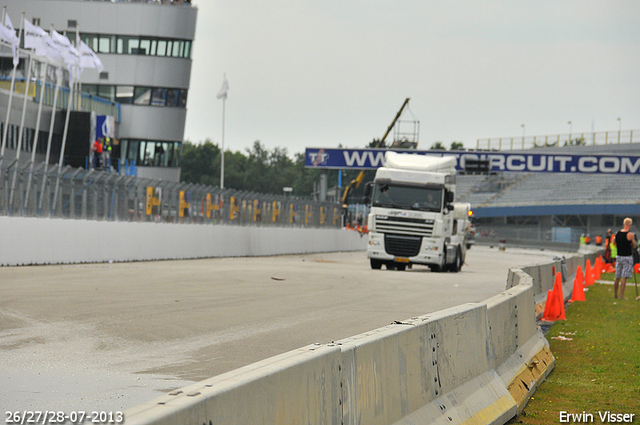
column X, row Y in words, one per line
column 578, row 287
column 589, row 279
column 597, row 270
column 580, row 276
column 555, row 302
column 557, row 291
column 547, row 306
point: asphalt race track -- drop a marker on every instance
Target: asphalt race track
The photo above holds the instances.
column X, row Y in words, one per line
column 110, row 336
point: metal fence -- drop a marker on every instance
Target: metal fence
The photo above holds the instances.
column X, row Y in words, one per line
column 76, row 193
column 559, row 140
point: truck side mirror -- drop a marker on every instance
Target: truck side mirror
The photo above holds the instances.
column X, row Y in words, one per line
column 368, row 188
column 450, row 196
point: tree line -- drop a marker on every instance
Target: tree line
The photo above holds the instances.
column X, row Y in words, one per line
column 259, row 170
column 255, row 170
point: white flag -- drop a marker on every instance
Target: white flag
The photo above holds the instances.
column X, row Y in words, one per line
column 38, row 39
column 222, row 94
column 34, row 38
column 52, row 51
column 73, row 60
column 69, row 54
column 61, row 41
column 8, row 34
column 88, row 58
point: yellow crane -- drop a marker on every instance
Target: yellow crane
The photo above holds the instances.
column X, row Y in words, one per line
column 380, row 143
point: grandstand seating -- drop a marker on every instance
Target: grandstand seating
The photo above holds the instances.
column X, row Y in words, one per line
column 548, row 189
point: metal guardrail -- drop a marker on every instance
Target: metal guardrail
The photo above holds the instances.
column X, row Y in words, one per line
column 77, row 193
column 559, row 140
column 86, row 102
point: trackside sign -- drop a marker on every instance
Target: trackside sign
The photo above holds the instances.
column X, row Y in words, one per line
column 365, row 159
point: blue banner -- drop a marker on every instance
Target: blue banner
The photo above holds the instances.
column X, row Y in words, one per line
column 369, row 159
column 105, row 126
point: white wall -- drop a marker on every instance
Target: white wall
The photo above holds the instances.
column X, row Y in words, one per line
column 26, row 241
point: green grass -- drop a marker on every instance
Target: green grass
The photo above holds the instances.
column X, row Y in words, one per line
column 597, row 370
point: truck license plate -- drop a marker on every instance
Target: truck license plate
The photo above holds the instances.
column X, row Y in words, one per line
column 402, row 260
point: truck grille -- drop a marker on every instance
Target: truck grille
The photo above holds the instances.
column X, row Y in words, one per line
column 402, row 246
column 404, row 226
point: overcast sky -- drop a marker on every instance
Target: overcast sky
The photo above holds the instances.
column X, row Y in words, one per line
column 323, row 73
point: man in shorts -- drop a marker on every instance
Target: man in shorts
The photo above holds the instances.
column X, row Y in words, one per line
column 626, row 242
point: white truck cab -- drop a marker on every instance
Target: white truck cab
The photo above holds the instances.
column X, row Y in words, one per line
column 413, row 219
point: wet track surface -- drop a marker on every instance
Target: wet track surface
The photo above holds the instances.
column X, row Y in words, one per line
column 110, row 336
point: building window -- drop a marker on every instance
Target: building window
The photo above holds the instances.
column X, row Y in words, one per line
column 151, row 153
column 142, row 96
column 158, row 97
column 72, row 23
column 134, row 45
column 105, row 44
column 124, row 94
column 182, row 98
column 162, row 48
column 107, row 92
column 153, row 96
column 145, row 47
column 172, row 97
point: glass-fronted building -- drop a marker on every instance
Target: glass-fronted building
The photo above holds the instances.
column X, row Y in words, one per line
column 146, row 49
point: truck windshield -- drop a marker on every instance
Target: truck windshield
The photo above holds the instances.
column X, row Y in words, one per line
column 407, row 197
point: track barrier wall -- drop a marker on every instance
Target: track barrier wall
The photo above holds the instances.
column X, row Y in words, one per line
column 476, row 363
column 543, row 275
column 27, row 241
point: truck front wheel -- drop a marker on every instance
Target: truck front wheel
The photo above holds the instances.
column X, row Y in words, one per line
column 457, row 263
column 443, row 263
column 376, row 264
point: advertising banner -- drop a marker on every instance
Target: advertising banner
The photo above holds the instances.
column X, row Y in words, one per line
column 368, row 159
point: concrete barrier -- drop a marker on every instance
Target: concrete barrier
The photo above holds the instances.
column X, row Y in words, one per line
column 299, row 387
column 520, row 353
column 27, row 241
column 472, row 364
column 431, row 369
column 543, row 275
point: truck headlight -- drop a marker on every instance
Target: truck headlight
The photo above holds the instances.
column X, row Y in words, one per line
column 374, row 243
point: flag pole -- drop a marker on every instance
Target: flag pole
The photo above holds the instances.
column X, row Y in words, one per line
column 32, row 161
column 51, row 123
column 224, row 101
column 6, row 122
column 78, row 105
column 21, row 133
column 72, row 82
column 222, row 94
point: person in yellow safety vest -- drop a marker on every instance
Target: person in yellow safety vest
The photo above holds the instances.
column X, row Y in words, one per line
column 614, row 250
column 106, row 149
column 583, row 240
column 607, row 246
